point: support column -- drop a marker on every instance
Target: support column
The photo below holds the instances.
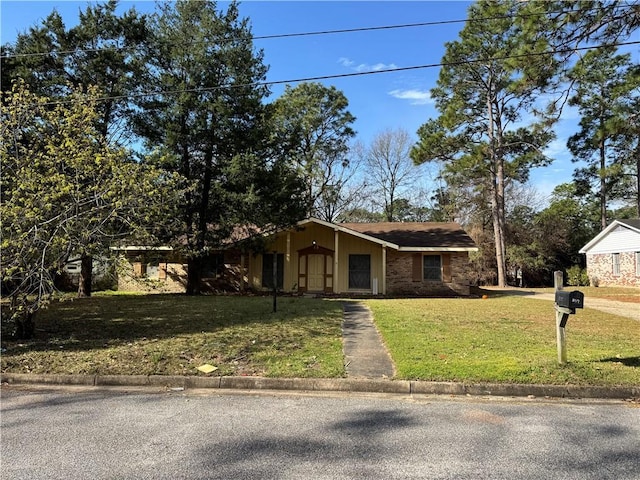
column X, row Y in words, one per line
column 335, row 262
column 288, row 277
column 383, row 283
column 242, row 272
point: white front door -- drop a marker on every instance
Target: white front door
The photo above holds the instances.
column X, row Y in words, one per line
column 315, row 274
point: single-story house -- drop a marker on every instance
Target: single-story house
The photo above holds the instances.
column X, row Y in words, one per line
column 613, row 256
column 316, row 256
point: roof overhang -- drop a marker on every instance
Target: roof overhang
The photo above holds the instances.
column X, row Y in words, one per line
column 383, row 243
column 595, row 240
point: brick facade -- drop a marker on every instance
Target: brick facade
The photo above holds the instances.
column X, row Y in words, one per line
column 600, row 270
column 130, row 281
column 400, row 278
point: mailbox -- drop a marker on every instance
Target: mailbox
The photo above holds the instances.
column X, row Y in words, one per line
column 570, row 300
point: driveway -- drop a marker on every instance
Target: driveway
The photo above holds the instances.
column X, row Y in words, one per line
column 623, row 309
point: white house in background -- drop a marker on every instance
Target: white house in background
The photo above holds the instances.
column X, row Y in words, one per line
column 613, row 256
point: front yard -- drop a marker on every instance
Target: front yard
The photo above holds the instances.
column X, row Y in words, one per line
column 505, row 338
column 175, row 334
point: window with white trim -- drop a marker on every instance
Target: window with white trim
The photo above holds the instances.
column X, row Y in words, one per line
column 637, row 264
column 616, row 263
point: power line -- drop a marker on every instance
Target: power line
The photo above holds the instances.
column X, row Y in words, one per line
column 346, row 75
column 331, row 32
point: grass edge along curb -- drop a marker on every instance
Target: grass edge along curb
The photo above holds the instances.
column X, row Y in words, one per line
column 326, row 384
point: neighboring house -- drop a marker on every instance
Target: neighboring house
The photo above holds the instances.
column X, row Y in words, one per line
column 322, row 257
column 613, row 256
column 367, row 258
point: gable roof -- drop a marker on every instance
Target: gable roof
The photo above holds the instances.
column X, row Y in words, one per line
column 407, row 236
column 632, row 224
column 417, row 235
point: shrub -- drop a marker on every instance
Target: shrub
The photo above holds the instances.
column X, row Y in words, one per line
column 577, row 276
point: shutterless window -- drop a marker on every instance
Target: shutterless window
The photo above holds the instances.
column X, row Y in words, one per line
column 432, row 267
column 638, row 264
column 267, row 270
column 616, row 263
column 360, row 272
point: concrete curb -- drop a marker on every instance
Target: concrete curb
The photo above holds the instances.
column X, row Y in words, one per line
column 405, row 387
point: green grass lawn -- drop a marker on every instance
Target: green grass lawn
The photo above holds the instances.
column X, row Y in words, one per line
column 175, row 334
column 506, row 339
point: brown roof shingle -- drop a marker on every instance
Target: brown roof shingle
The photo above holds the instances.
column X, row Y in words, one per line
column 416, row 234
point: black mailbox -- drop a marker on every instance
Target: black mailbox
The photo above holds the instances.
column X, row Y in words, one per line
column 570, row 300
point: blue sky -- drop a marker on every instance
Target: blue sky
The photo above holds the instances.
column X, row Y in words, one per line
column 380, row 101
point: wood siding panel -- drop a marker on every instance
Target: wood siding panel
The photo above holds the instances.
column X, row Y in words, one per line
column 416, row 270
column 620, row 239
column 446, row 268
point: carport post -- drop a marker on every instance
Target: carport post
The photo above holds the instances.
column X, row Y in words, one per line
column 558, row 282
column 275, row 280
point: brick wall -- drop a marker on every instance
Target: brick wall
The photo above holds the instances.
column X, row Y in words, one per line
column 130, row 281
column 400, row 276
column 600, row 270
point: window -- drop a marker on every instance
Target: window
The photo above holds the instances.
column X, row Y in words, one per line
column 213, row 265
column 360, row 272
column 267, row 270
column 432, row 268
column 616, row 263
column 638, row 264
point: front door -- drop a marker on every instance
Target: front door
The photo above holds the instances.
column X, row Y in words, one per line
column 315, row 275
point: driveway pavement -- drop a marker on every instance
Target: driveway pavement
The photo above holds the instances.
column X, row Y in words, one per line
column 623, row 309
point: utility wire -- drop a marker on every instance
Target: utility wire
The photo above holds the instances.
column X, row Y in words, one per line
column 345, row 75
column 331, row 32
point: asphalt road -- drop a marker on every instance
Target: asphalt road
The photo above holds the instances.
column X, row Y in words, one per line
column 78, row 433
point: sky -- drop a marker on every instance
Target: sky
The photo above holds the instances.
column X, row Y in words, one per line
column 378, row 101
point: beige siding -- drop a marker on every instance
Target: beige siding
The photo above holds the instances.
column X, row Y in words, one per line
column 349, row 245
column 399, row 279
column 324, row 237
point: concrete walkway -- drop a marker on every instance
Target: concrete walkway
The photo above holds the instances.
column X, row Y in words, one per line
column 365, row 354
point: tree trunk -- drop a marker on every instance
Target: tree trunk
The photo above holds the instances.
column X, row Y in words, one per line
column 25, row 326
column 497, row 191
column 193, row 276
column 86, row 276
column 638, row 181
column 603, row 187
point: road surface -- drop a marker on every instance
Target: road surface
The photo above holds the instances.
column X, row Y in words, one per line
column 77, row 433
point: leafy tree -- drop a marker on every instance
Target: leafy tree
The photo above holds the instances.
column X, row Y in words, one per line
column 208, row 119
column 484, row 98
column 312, row 124
column 605, row 88
column 65, row 192
column 389, row 169
column 102, row 50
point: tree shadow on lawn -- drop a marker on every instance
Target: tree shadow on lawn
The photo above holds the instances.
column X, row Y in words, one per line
column 626, row 361
column 99, row 322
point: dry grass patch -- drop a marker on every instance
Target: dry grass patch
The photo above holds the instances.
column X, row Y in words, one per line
column 174, row 334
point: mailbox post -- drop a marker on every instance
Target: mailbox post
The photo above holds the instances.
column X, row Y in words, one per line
column 565, row 305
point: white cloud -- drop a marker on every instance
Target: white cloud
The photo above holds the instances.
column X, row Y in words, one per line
column 557, row 148
column 365, row 67
column 417, row 97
